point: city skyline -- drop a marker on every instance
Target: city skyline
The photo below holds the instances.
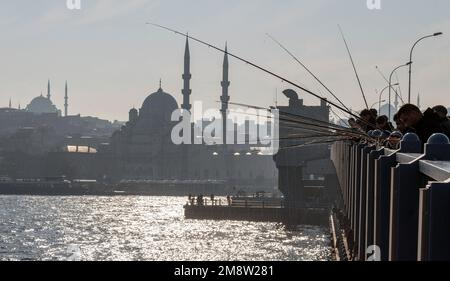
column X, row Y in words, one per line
column 112, row 60
column 252, row 132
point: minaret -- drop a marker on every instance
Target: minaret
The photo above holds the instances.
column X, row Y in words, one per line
column 225, row 98
column 186, row 78
column 133, row 115
column 48, row 90
column 396, row 103
column 66, row 101
column 10, row 106
column 186, row 106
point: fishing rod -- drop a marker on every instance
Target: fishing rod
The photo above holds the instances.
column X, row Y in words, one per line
column 255, row 66
column 321, row 132
column 354, row 67
column 339, row 117
column 307, row 69
column 293, row 124
column 312, row 143
column 304, row 137
column 300, row 136
column 324, row 128
column 306, row 126
column 334, row 126
column 328, row 126
column 381, row 74
column 286, row 113
column 328, row 133
column 264, row 70
column 309, row 118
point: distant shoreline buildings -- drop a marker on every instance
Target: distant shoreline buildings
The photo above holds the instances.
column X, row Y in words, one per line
column 43, row 104
column 141, row 149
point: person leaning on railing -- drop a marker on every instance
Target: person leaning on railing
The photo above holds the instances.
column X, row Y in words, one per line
column 367, row 119
column 383, row 123
column 423, row 124
column 399, row 124
column 442, row 112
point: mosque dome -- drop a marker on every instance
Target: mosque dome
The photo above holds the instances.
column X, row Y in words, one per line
column 384, row 110
column 41, row 105
column 158, row 106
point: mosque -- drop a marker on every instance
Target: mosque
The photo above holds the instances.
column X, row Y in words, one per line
column 140, row 150
column 44, row 105
column 143, row 150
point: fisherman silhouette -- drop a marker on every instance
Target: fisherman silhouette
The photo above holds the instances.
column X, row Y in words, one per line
column 200, row 200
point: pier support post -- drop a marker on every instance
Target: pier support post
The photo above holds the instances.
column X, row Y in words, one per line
column 290, row 183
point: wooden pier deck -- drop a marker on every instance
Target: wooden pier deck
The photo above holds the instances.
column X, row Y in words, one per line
column 251, row 209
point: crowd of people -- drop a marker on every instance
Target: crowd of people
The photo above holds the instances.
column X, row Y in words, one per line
column 408, row 119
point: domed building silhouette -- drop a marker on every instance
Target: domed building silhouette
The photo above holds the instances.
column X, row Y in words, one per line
column 43, row 105
column 157, row 109
column 143, row 149
column 384, row 110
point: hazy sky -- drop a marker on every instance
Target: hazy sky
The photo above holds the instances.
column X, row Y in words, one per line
column 112, row 60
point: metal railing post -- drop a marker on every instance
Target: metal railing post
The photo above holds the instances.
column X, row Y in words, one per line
column 362, row 204
column 405, row 179
column 370, row 196
column 433, row 243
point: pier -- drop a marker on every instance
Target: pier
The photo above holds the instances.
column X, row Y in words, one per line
column 254, row 209
column 394, row 204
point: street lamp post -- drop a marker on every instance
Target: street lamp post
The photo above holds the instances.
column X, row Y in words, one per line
column 410, row 60
column 378, row 102
column 390, row 85
column 381, row 93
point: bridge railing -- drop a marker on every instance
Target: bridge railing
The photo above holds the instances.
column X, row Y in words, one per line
column 396, row 202
column 237, row 203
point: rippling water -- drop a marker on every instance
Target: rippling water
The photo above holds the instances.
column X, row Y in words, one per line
column 142, row 228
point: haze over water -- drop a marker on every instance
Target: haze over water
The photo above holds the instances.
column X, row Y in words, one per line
column 142, row 228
